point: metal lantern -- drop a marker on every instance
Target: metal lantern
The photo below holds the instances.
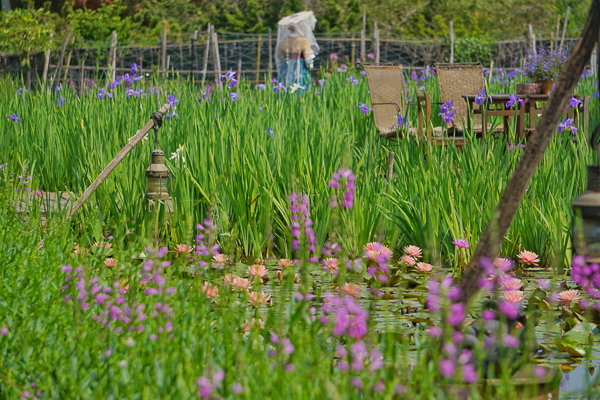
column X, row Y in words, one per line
column 586, row 233
column 157, row 177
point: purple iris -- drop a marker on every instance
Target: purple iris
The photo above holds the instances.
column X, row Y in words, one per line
column 228, row 76
column 61, row 101
column 513, row 100
column 352, row 79
column 269, row 131
column 448, row 111
column 134, row 67
column 232, row 83
column 172, row 100
column 260, row 86
column 126, row 78
column 280, row 87
column 567, row 123
column 205, row 97
column 364, row 108
column 103, row 93
column 137, row 78
column 233, row 96
column 480, row 98
column 21, row 91
column 573, row 102
column 402, row 123
column 14, row 117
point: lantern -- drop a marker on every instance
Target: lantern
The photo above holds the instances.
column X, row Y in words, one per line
column 157, row 177
column 586, row 233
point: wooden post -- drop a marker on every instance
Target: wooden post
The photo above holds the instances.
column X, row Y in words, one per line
column 194, row 57
column 491, row 240
column 491, row 71
column 163, row 58
column 562, row 39
column 363, row 37
column 531, row 40
column 270, row 54
column 353, row 51
column 206, row 53
column 113, row 56
column 558, row 28
column 594, row 61
column 217, row 58
column 258, row 51
column 81, row 75
column 62, row 56
column 451, row 42
column 181, row 56
column 46, row 63
column 68, row 65
column 167, row 69
column 239, row 71
column 376, row 37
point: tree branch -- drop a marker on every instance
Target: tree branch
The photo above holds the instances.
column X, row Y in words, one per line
column 406, row 17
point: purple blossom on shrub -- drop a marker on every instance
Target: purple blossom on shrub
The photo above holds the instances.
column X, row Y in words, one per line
column 513, row 100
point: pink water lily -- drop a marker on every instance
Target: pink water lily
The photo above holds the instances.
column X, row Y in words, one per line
column 528, row 257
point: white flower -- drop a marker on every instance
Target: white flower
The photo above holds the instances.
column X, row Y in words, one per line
column 177, row 155
column 295, row 87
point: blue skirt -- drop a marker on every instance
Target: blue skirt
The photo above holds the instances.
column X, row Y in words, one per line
column 294, row 71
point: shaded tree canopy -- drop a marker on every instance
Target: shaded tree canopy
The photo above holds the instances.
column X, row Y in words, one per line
column 142, row 20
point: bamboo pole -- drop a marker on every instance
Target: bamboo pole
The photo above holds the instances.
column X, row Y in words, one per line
column 562, row 39
column 363, row 37
column 81, row 75
column 376, row 37
column 163, row 56
column 206, row 53
column 217, row 58
column 491, row 240
column 62, row 56
column 270, row 53
column 353, row 51
column 531, row 39
column 113, row 56
column 239, row 70
column 451, row 42
column 258, row 51
column 46, row 63
column 68, row 65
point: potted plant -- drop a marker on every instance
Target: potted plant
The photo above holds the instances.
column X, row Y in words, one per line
column 544, row 67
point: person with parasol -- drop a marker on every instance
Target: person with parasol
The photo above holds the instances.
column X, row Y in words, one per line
column 296, row 50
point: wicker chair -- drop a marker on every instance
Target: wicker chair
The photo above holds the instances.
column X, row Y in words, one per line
column 454, row 81
column 388, row 98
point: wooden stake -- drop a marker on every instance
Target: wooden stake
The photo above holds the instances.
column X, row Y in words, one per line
column 163, row 58
column 68, row 65
column 258, row 51
column 376, row 36
column 491, row 71
column 270, row 54
column 239, row 71
column 206, row 53
column 491, row 240
column 594, row 61
column 363, row 37
column 62, row 56
column 46, row 63
column 562, row 39
column 451, row 42
column 168, row 64
column 113, row 56
column 558, row 28
column 353, row 51
column 217, row 58
column 531, row 40
column 81, row 75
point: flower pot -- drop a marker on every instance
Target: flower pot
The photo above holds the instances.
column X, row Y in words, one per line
column 547, row 86
column 529, row 88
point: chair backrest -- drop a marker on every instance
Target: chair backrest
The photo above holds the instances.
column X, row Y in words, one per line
column 388, row 94
column 456, row 80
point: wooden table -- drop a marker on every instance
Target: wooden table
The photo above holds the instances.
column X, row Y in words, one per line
column 497, row 108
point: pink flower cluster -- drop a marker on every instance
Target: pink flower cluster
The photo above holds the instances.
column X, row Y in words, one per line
column 206, row 242
column 348, row 316
column 344, row 181
column 377, row 256
column 360, row 357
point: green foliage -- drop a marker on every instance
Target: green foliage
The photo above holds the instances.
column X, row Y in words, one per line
column 474, row 49
column 97, row 25
column 23, row 32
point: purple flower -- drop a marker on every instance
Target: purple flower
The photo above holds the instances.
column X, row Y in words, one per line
column 447, row 111
column 260, row 86
column 480, row 98
column 237, row 388
column 205, row 97
column 469, row 373
column 456, row 314
column 269, row 131
column 510, row 340
column 573, row 102
column 230, row 75
column 232, row 83
column 280, row 88
column 463, row 244
column 345, row 180
column 204, row 387
column 371, row 56
column 402, row 123
column 447, row 368
column 567, row 123
column 357, row 383
column 511, row 310
column 233, row 96
column 488, row 315
column 14, row 117
column 172, row 100
column 352, row 80
column 102, row 92
column 513, row 100
column 364, row 108
column 4, row 331
column 61, row 101
column 134, row 67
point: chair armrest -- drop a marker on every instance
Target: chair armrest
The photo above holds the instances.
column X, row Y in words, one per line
column 387, row 104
